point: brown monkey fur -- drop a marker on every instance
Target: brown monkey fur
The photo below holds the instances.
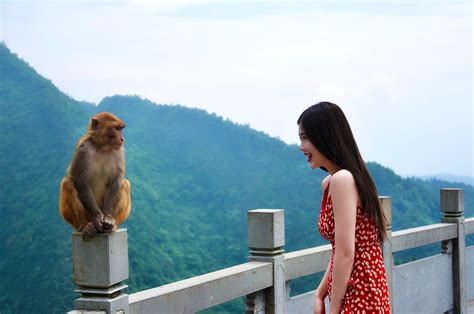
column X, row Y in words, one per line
column 94, row 195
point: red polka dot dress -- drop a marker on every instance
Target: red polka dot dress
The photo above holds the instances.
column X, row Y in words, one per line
column 367, row 290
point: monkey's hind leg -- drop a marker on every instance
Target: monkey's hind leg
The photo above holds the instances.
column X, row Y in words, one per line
column 70, row 206
column 122, row 210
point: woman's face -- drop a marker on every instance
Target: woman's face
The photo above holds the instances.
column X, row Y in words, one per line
column 314, row 157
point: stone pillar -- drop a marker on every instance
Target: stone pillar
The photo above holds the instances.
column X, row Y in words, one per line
column 266, row 238
column 452, row 206
column 386, row 205
column 100, row 264
column 255, row 303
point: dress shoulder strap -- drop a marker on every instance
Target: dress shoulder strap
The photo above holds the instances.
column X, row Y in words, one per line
column 326, row 192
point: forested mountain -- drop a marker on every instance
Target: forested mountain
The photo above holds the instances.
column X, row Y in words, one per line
column 451, row 178
column 194, row 177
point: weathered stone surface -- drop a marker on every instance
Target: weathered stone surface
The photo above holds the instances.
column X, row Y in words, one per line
column 113, row 305
column 386, row 205
column 469, row 224
column 424, row 286
column 266, row 238
column 201, row 292
column 306, row 262
column 419, row 236
column 470, row 273
column 100, row 261
column 266, row 229
column 452, row 203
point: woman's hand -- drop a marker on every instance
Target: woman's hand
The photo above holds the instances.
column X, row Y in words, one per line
column 318, row 304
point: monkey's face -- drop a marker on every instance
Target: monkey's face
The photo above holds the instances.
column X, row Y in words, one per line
column 106, row 131
column 114, row 134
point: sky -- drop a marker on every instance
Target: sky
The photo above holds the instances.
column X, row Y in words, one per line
column 401, row 71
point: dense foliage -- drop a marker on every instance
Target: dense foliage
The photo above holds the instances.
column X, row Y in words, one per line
column 194, row 176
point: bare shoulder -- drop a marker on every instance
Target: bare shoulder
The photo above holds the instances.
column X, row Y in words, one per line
column 342, row 176
column 343, row 183
column 325, row 182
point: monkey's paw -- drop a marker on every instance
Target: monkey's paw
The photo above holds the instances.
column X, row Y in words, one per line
column 108, row 223
column 98, row 222
column 89, row 229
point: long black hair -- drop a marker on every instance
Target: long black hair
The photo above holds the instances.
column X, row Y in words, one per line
column 328, row 130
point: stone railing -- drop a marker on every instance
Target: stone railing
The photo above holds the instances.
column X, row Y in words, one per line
column 437, row 284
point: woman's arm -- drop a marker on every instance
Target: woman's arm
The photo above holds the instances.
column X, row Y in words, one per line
column 322, row 290
column 321, row 293
column 344, row 198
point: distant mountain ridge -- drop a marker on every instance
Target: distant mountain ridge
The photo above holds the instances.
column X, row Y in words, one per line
column 194, row 175
column 450, row 178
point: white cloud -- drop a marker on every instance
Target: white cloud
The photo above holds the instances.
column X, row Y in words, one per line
column 170, row 5
column 403, row 80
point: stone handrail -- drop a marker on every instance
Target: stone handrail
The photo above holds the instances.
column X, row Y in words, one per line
column 469, row 223
column 419, row 236
column 306, row 262
column 186, row 296
column 265, row 278
column 314, row 260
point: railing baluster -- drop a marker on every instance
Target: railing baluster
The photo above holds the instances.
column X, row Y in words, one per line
column 386, row 204
column 452, row 205
column 100, row 266
column 266, row 238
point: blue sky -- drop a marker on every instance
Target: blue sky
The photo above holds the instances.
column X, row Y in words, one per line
column 401, row 71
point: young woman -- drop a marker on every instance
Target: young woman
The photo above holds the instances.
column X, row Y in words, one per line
column 351, row 217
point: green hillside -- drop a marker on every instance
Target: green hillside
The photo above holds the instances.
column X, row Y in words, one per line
column 194, row 177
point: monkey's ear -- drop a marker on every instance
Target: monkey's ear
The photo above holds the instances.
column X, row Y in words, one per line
column 94, row 123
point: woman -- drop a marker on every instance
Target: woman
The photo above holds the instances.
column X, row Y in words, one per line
column 351, row 217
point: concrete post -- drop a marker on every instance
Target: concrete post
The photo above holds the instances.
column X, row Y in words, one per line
column 100, row 264
column 266, row 238
column 452, row 206
column 386, row 204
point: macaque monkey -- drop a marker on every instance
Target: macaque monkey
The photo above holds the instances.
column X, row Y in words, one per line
column 94, row 195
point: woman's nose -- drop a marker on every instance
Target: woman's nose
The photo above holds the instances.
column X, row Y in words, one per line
column 301, row 147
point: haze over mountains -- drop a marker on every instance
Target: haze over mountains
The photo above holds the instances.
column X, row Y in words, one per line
column 194, row 177
column 451, row 178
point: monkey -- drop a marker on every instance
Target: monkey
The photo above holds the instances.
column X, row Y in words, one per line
column 94, row 196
